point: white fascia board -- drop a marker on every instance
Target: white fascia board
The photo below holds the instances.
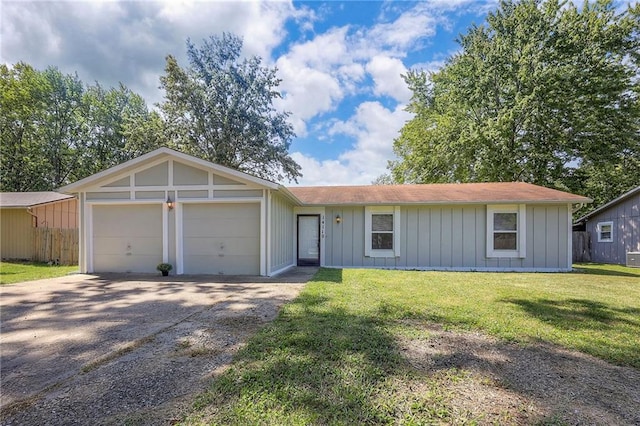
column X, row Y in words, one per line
column 289, row 195
column 168, row 153
column 82, row 183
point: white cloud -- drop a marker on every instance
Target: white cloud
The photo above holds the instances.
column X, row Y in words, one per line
column 387, row 76
column 374, row 127
column 328, row 172
column 313, row 75
column 403, row 33
column 319, row 73
column 116, row 41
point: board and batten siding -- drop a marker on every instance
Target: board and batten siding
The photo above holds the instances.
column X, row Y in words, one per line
column 625, row 216
column 282, row 229
column 449, row 237
column 190, row 187
column 17, row 234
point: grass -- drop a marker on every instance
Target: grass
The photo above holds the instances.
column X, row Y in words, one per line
column 331, row 356
column 15, row 272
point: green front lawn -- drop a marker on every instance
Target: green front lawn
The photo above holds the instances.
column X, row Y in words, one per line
column 332, row 356
column 15, row 272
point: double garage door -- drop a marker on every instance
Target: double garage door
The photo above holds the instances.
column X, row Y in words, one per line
column 217, row 238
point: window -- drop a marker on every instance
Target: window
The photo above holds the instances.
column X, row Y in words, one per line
column 605, row 232
column 382, row 231
column 506, row 230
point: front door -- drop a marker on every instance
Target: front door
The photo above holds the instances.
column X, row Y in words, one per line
column 309, row 240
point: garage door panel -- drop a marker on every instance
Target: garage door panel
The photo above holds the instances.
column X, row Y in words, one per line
column 221, row 228
column 222, row 246
column 221, row 211
column 228, row 265
column 124, row 245
column 127, row 238
column 221, row 239
column 119, row 263
column 127, row 221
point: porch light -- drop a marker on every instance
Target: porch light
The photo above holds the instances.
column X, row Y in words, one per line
column 338, row 219
column 170, row 203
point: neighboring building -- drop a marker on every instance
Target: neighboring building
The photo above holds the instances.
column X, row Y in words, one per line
column 613, row 229
column 22, row 212
column 203, row 218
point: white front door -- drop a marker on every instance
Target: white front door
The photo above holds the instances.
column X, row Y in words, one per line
column 309, row 240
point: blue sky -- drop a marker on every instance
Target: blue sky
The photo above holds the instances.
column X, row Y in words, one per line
column 340, row 61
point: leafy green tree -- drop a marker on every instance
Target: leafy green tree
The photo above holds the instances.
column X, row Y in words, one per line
column 115, row 120
column 22, row 98
column 543, row 92
column 60, row 132
column 220, row 108
column 144, row 131
column 55, row 130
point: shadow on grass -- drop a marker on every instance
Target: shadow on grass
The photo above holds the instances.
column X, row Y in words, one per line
column 606, row 269
column 575, row 314
column 327, row 359
column 332, row 275
column 315, row 364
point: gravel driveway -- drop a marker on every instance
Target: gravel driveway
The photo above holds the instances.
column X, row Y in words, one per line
column 115, row 349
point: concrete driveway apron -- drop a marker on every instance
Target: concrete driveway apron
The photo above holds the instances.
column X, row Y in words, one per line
column 114, row 349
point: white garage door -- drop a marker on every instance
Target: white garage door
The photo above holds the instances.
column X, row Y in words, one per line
column 221, row 239
column 127, row 238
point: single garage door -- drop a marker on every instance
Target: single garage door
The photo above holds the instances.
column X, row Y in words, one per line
column 127, row 238
column 221, row 239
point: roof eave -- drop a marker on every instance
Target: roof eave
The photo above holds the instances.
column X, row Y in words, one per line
column 289, row 195
column 445, row 202
column 609, row 204
column 86, row 182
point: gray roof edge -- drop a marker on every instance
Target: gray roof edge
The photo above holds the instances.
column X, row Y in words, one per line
column 55, row 197
column 605, row 206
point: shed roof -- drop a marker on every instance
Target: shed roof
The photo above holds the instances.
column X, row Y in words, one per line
column 611, row 203
column 29, row 199
column 446, row 193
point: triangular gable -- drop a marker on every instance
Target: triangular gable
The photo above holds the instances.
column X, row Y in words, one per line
column 166, row 167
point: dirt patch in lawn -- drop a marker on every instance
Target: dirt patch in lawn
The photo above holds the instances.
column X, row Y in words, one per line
column 505, row 383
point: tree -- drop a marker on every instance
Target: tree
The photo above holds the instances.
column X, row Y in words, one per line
column 220, row 108
column 22, row 92
column 54, row 129
column 60, row 130
column 543, row 92
column 117, row 123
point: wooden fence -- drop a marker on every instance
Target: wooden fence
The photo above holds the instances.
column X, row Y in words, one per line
column 56, row 245
column 581, row 246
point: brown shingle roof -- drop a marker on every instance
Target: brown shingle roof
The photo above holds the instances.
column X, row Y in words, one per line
column 28, row 199
column 446, row 193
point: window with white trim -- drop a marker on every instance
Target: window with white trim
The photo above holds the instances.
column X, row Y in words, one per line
column 605, row 232
column 382, row 231
column 506, row 226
